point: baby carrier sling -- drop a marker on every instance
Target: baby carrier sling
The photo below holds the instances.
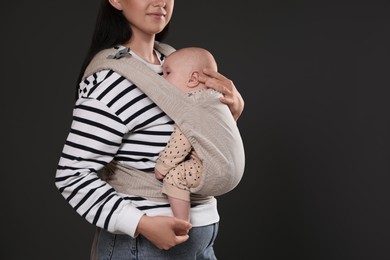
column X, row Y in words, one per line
column 210, row 128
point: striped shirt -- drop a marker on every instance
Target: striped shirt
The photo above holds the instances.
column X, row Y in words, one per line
column 114, row 120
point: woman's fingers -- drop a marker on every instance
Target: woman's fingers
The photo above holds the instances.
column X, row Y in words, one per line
column 220, row 83
column 181, row 227
column 217, row 81
column 163, row 231
column 214, row 74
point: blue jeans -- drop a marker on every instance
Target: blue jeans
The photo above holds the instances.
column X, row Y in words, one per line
column 123, row 247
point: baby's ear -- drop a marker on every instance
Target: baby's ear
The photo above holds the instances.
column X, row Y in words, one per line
column 193, row 81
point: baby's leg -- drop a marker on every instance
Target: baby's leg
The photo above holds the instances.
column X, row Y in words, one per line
column 180, row 208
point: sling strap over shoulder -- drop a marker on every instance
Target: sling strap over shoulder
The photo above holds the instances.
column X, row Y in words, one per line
column 210, row 128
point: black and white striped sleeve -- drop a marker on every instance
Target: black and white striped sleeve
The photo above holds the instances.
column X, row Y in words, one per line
column 94, row 138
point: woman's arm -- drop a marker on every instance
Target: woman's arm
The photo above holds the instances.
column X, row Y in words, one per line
column 93, row 141
column 231, row 96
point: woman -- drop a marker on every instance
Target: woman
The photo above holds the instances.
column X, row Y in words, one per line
column 114, row 120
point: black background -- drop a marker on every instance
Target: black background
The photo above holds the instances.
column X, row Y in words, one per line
column 316, row 124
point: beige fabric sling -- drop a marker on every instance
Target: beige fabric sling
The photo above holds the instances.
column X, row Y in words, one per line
column 206, row 122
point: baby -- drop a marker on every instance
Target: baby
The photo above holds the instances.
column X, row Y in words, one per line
column 178, row 165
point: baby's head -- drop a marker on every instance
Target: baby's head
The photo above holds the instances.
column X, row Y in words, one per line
column 184, row 67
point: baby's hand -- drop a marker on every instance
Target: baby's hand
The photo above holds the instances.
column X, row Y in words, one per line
column 158, row 175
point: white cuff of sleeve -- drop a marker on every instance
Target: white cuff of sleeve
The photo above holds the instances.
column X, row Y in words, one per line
column 128, row 221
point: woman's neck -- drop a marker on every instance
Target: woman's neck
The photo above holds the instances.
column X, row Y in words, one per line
column 144, row 49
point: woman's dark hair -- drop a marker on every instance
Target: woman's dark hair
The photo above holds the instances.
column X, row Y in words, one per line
column 111, row 29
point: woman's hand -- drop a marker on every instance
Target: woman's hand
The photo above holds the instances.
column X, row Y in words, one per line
column 163, row 231
column 231, row 96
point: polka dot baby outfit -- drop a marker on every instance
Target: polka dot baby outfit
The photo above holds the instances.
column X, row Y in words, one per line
column 180, row 165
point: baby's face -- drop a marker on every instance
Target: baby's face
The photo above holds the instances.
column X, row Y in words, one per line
column 177, row 71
